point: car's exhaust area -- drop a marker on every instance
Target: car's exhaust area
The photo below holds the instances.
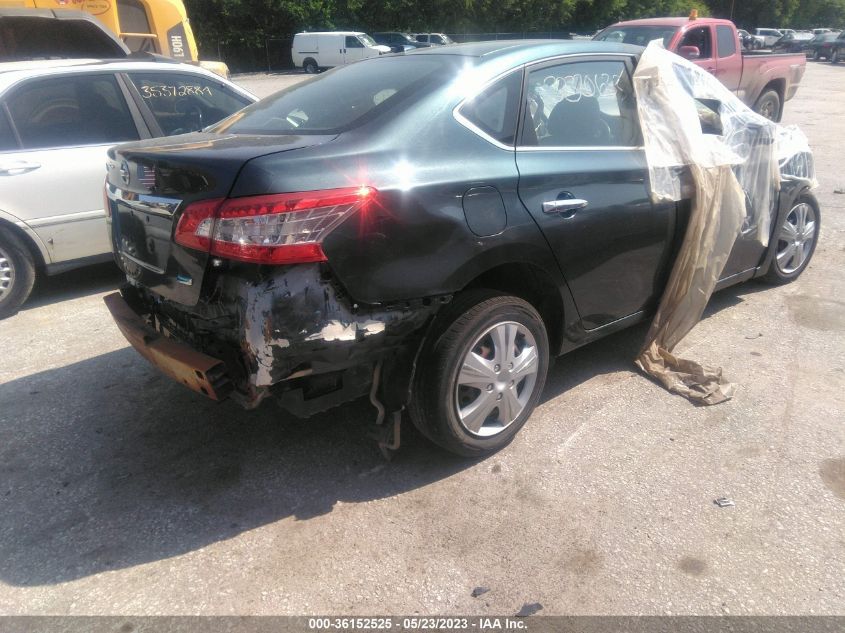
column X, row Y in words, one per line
column 195, row 370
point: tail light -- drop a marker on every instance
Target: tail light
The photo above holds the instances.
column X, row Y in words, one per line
column 285, row 228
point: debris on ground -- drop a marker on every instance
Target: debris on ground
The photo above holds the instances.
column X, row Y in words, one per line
column 529, row 609
column 724, row 502
column 839, row 191
column 479, row 591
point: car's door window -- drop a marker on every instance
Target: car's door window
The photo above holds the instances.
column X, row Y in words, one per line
column 725, row 40
column 7, row 137
column 580, row 104
column 700, row 38
column 353, row 42
column 495, row 110
column 181, row 102
column 71, row 111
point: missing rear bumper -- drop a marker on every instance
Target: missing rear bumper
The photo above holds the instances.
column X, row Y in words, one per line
column 197, row 371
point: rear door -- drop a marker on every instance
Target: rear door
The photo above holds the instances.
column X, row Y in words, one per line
column 728, row 57
column 53, row 178
column 583, row 177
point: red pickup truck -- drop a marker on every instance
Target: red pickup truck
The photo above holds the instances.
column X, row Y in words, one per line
column 762, row 80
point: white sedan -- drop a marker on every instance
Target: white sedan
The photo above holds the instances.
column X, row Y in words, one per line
column 57, row 120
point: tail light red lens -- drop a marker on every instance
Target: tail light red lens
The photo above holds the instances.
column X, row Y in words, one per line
column 285, row 228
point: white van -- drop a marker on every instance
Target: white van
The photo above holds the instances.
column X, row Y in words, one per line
column 313, row 51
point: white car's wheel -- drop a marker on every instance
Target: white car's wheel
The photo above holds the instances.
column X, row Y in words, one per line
column 17, row 273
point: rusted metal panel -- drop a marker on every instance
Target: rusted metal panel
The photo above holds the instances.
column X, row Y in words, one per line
column 195, row 370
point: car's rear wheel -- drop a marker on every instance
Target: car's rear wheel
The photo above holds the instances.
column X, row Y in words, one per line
column 310, row 66
column 768, row 105
column 796, row 241
column 816, row 55
column 481, row 374
column 17, row 273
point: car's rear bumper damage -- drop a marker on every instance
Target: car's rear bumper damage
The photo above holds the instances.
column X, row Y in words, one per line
column 291, row 333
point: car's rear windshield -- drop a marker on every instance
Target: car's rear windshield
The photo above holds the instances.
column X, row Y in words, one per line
column 343, row 98
column 638, row 35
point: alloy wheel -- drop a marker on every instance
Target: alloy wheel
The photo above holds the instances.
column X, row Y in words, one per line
column 796, row 237
column 496, row 379
column 767, row 109
column 7, row 274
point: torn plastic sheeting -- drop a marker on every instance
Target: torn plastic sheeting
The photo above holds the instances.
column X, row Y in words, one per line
column 734, row 175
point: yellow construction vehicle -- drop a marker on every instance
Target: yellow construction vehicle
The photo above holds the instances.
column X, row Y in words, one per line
column 154, row 26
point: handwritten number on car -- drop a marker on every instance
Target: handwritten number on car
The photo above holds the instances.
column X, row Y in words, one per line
column 155, row 92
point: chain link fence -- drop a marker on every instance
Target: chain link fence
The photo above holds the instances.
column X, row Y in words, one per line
column 275, row 55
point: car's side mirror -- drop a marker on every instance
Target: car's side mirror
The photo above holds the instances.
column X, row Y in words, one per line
column 689, row 52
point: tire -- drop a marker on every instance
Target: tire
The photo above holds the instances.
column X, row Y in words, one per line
column 768, row 105
column 816, row 56
column 472, row 324
column 786, row 268
column 17, row 273
column 834, row 56
column 310, row 66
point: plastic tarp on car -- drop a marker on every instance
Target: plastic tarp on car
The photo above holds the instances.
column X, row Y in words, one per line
column 703, row 144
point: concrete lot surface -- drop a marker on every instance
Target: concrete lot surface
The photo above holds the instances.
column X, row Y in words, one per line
column 122, row 493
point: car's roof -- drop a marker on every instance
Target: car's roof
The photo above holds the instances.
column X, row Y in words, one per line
column 670, row 22
column 525, row 51
column 331, row 33
column 13, row 72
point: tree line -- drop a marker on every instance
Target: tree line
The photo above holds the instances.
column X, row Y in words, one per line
column 248, row 22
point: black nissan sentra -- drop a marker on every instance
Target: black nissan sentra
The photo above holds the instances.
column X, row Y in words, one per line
column 429, row 228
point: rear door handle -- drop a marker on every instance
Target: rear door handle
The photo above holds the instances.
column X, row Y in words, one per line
column 17, row 168
column 558, row 206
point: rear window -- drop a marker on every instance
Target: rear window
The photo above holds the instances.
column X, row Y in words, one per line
column 725, row 40
column 343, row 98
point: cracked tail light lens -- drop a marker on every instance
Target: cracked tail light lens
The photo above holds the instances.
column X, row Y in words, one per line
column 285, row 228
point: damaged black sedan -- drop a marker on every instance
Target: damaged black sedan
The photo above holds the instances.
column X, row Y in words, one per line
column 431, row 229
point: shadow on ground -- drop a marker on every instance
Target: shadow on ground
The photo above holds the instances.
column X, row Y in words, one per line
column 74, row 284
column 105, row 464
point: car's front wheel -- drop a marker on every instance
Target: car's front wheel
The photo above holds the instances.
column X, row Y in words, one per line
column 17, row 273
column 834, row 56
column 482, row 373
column 796, row 241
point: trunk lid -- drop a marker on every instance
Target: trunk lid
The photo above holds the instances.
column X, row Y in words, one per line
column 150, row 183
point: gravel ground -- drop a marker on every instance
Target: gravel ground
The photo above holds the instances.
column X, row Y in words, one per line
column 121, row 493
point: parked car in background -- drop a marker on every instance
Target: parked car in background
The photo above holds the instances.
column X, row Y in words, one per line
column 398, row 41
column 315, row 51
column 430, row 228
column 750, row 42
column 434, row 39
column 793, row 43
column 821, row 31
column 821, row 46
column 770, row 36
column 764, row 81
column 57, row 120
column 837, row 48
